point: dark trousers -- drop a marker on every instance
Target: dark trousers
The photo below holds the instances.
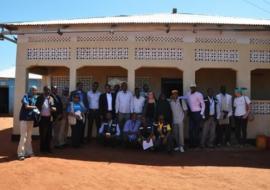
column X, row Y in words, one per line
column 76, row 131
column 112, row 141
column 223, row 133
column 195, row 120
column 168, row 145
column 93, row 116
column 241, row 129
column 45, row 133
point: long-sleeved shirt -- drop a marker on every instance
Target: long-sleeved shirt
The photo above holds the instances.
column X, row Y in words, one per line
column 196, row 102
column 138, row 104
column 133, row 127
column 178, row 110
column 124, row 102
column 93, row 99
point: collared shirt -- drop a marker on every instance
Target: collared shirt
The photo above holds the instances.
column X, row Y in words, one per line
column 138, row 104
column 132, row 126
column 46, row 110
column 196, row 102
column 240, row 105
column 109, row 101
column 211, row 106
column 93, row 99
column 178, row 110
column 123, row 102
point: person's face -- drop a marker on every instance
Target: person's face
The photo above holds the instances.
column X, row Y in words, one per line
column 116, row 88
column 133, row 117
column 124, row 87
column 34, row 91
column 162, row 97
column 65, row 93
column 95, row 87
column 151, row 95
column 137, row 92
column 174, row 95
column 210, row 92
column 223, row 90
column 193, row 89
column 238, row 94
column 107, row 89
column 47, row 91
column 161, row 119
column 80, row 86
column 54, row 90
column 145, row 88
column 76, row 99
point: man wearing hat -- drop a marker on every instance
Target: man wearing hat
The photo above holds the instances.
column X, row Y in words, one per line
column 196, row 107
column 178, row 107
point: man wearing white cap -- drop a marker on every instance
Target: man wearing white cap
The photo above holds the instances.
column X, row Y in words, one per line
column 196, row 107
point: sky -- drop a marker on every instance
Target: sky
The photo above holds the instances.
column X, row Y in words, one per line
column 33, row 10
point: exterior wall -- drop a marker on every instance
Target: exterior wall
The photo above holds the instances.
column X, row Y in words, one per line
column 185, row 50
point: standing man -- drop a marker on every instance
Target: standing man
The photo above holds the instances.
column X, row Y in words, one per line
column 123, row 105
column 46, row 106
column 223, row 115
column 93, row 113
column 138, row 103
column 179, row 108
column 57, row 117
column 209, row 126
column 83, row 99
column 107, row 102
column 197, row 106
column 26, row 124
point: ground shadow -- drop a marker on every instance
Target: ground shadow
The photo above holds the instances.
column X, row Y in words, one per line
column 245, row 157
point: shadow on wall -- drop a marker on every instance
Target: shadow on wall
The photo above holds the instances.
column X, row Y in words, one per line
column 249, row 157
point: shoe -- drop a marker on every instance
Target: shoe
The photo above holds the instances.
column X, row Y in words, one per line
column 29, row 155
column 21, row 158
column 182, row 149
column 176, row 149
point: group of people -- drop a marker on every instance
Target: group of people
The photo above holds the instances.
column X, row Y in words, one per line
column 132, row 120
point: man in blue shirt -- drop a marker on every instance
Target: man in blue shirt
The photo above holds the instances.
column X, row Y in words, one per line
column 131, row 130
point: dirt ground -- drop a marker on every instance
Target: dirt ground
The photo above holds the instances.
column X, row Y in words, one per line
column 96, row 167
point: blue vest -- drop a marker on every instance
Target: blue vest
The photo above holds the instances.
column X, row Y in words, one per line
column 112, row 129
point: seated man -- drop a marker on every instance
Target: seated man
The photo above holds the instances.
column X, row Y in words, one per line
column 163, row 135
column 130, row 131
column 109, row 132
column 146, row 135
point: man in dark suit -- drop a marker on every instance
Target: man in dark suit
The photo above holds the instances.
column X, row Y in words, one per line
column 83, row 98
column 46, row 106
column 107, row 102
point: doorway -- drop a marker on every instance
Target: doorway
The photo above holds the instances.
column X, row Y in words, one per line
column 4, row 100
column 169, row 84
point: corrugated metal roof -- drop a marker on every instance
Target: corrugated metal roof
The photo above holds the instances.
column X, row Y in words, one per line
column 153, row 19
column 10, row 73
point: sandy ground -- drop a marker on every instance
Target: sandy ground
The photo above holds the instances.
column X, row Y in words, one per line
column 96, row 167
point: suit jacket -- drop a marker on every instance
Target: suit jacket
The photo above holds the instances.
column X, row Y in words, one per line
column 84, row 100
column 207, row 107
column 103, row 103
column 58, row 104
column 40, row 102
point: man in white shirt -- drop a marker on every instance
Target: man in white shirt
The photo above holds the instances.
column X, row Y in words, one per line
column 94, row 113
column 138, row 103
column 123, row 105
column 179, row 108
column 209, row 125
column 197, row 106
column 242, row 109
column 224, row 112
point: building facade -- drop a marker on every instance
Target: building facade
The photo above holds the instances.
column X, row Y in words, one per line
column 165, row 51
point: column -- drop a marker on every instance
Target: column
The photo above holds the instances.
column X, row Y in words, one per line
column 72, row 78
column 188, row 79
column 131, row 79
column 20, row 90
column 244, row 80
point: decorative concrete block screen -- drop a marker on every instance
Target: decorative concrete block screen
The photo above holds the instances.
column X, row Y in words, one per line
column 158, row 53
column 215, row 40
column 102, row 38
column 216, row 55
column 261, row 107
column 61, row 82
column 48, row 53
column 49, row 39
column 260, row 56
column 259, row 41
column 102, row 53
column 169, row 39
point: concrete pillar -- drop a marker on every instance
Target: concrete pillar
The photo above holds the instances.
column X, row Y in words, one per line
column 188, row 78
column 72, row 78
column 20, row 90
column 244, row 80
column 131, row 79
